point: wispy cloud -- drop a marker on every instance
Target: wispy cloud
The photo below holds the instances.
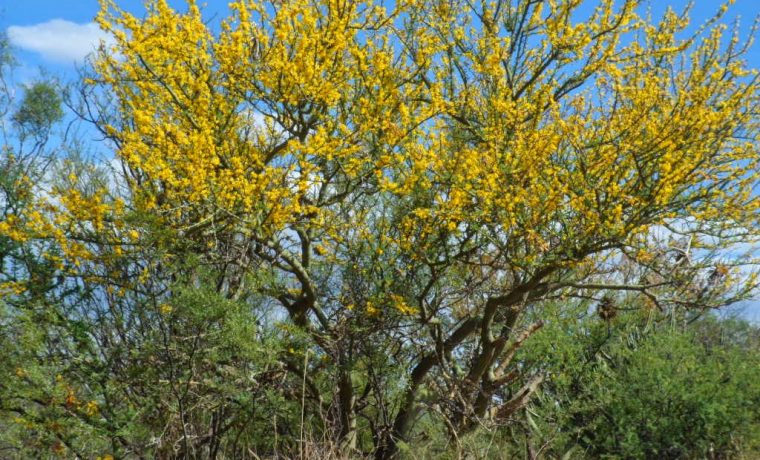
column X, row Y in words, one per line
column 58, row 40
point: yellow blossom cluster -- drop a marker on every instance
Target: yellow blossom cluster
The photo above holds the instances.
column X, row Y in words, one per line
column 542, row 133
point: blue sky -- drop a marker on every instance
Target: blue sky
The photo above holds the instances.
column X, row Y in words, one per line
column 55, row 35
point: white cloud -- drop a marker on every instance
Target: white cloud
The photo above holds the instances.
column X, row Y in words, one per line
column 58, row 40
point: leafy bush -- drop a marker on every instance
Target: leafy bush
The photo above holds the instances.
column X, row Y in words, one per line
column 643, row 389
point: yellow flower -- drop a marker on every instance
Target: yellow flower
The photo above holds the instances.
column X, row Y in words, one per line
column 402, row 306
column 91, row 408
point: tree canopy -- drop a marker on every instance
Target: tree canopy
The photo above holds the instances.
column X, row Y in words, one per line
column 349, row 209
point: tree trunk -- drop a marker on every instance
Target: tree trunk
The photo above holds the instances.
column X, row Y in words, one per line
column 347, row 415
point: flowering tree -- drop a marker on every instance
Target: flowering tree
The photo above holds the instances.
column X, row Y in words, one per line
column 402, row 183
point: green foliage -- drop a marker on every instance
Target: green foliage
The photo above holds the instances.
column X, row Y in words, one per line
column 646, row 389
column 39, row 109
column 6, row 62
column 123, row 382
